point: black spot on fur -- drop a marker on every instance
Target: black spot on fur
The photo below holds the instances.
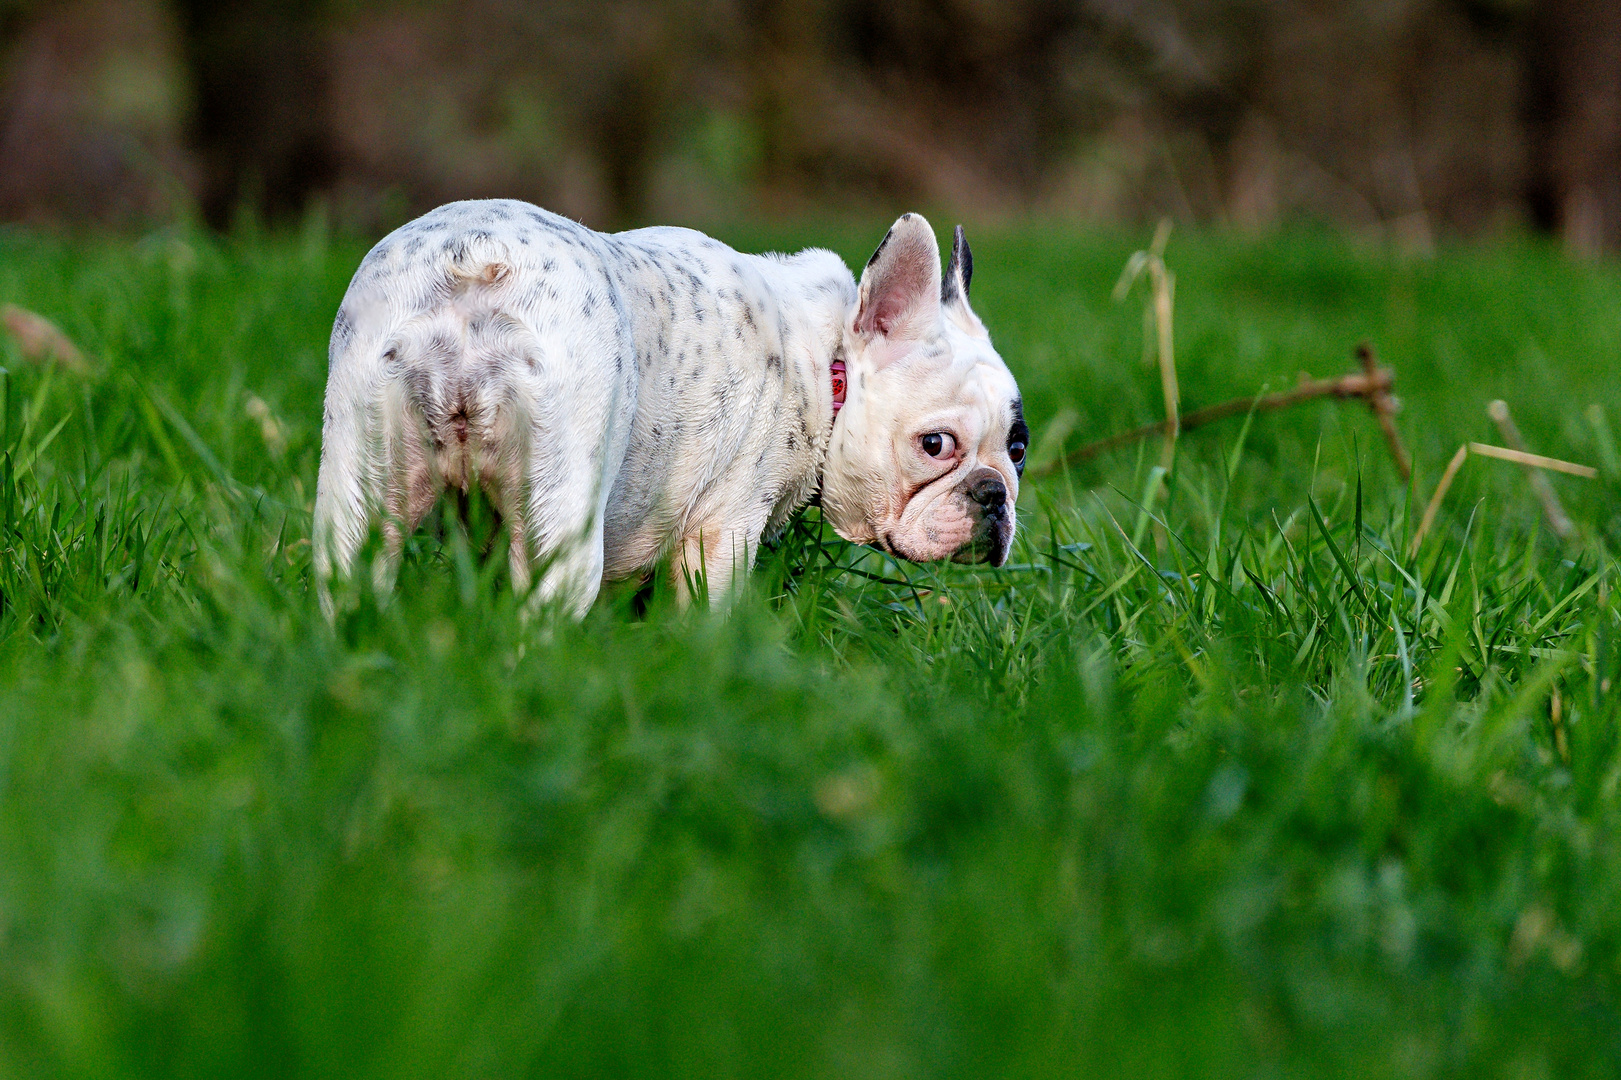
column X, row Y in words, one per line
column 343, row 332
column 959, row 271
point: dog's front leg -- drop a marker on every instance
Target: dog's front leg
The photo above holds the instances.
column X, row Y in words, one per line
column 708, row 561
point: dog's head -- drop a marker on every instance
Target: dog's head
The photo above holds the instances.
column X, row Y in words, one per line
column 928, row 449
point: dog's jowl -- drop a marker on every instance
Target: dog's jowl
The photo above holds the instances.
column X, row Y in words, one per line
column 653, row 396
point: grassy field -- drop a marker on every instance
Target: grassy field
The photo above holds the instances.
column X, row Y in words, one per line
column 1240, row 789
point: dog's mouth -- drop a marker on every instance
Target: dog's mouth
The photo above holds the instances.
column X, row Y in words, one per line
column 886, row 544
column 989, row 544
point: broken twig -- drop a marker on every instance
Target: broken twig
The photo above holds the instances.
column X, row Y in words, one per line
column 1383, row 407
column 1370, row 385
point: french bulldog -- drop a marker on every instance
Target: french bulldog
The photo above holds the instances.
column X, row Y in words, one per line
column 654, row 396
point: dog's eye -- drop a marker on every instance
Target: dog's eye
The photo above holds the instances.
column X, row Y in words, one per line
column 1016, row 452
column 938, row 444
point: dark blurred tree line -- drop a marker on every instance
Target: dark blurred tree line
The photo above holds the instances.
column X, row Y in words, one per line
column 1401, row 117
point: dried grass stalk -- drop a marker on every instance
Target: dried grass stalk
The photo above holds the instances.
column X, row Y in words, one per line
column 1533, row 461
column 1435, row 500
column 1558, row 520
column 41, row 340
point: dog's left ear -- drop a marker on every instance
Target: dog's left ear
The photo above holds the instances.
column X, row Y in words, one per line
column 954, row 286
column 900, row 288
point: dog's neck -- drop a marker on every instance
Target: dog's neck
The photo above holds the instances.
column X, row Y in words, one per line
column 819, row 295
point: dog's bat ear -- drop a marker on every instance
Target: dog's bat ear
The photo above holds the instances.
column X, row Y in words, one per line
column 900, row 288
column 959, row 271
column 954, row 287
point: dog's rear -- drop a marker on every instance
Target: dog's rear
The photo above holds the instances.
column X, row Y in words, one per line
column 439, row 380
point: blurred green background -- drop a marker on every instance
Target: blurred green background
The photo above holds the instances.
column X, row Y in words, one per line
column 1400, row 119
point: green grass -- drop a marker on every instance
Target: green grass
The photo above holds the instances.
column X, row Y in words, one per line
column 1241, row 790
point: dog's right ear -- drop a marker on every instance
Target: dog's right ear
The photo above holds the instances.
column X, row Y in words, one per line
column 900, row 288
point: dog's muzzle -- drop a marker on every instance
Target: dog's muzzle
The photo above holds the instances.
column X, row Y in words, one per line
column 993, row 527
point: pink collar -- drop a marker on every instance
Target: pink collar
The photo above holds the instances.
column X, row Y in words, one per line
column 838, row 387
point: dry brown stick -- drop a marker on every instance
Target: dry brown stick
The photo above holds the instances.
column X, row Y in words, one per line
column 1558, row 520
column 1435, row 500
column 1362, row 384
column 1384, row 407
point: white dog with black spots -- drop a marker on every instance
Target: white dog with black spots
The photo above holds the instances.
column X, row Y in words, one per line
column 654, row 396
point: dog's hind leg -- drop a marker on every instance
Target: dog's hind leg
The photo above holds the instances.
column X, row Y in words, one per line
column 558, row 531
column 571, row 459
column 505, row 442
column 373, row 462
column 407, row 481
column 553, row 419
column 342, row 502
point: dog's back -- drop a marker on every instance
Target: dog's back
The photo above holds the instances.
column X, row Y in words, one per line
column 614, row 394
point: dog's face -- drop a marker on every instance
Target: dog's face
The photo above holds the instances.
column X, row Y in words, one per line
column 928, row 449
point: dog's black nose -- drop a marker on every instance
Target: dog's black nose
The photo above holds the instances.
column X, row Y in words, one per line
column 990, row 493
